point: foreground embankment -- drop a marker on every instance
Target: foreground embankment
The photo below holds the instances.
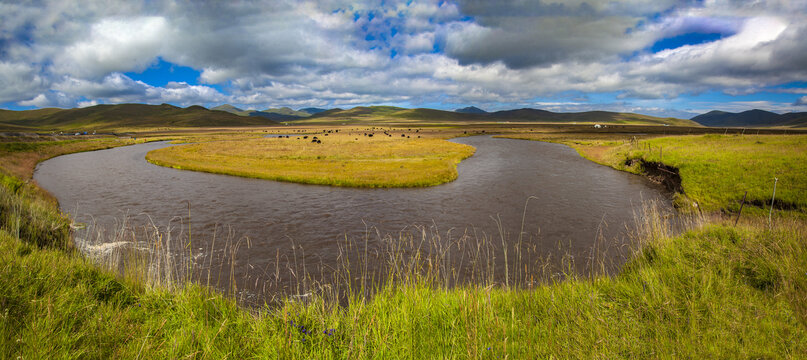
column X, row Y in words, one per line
column 716, row 291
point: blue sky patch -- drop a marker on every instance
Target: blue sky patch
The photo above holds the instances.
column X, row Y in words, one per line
column 683, row 40
column 163, row 72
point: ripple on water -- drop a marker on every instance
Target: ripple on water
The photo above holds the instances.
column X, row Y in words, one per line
column 572, row 198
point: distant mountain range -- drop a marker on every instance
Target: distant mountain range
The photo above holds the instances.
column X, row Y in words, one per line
column 751, row 118
column 123, row 116
column 312, row 110
column 100, row 117
column 275, row 114
column 471, row 113
column 471, row 110
column 362, row 114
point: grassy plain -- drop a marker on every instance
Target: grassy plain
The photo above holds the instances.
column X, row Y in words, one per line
column 716, row 170
column 19, row 158
column 339, row 159
column 716, row 291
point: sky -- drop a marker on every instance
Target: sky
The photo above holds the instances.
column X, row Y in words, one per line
column 654, row 57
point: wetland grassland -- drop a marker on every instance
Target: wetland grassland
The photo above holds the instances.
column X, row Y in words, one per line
column 353, row 160
column 715, row 170
column 714, row 291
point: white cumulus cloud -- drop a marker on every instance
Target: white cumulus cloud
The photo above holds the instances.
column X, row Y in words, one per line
column 338, row 53
column 116, row 45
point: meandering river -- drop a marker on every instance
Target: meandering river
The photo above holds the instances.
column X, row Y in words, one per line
column 574, row 201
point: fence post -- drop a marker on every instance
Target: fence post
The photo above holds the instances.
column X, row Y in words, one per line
column 770, row 213
column 741, row 209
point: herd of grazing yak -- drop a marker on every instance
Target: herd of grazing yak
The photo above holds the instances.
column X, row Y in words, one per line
column 315, row 139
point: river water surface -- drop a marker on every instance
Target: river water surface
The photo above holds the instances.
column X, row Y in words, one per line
column 574, row 201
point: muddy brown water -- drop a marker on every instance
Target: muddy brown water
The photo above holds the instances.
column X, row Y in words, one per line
column 575, row 200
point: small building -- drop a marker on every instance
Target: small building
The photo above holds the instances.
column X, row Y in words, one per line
column 597, row 126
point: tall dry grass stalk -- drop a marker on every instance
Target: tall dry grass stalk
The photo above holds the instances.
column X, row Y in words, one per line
column 163, row 257
column 653, row 224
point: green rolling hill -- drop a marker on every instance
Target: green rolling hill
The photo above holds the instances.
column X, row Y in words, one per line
column 286, row 111
column 124, row 116
column 752, row 118
column 107, row 117
column 312, row 110
column 471, row 110
column 232, row 110
column 274, row 114
column 391, row 113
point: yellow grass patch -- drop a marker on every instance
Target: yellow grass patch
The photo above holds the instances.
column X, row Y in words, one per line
column 342, row 159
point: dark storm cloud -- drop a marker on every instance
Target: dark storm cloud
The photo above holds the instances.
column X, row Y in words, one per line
column 522, row 34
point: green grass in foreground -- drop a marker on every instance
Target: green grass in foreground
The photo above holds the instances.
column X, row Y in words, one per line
column 351, row 160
